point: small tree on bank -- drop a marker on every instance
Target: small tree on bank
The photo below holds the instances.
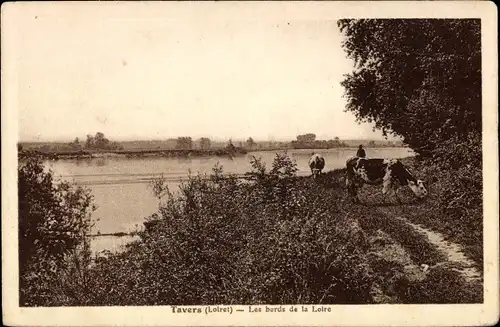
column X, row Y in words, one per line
column 184, row 143
column 250, row 143
column 205, row 143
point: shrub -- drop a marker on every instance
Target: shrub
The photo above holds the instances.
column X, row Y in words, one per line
column 455, row 208
column 54, row 220
column 271, row 239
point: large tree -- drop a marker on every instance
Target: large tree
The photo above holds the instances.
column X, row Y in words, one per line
column 416, row 78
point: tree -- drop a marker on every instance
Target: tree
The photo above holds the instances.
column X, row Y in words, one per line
column 75, row 144
column 100, row 141
column 54, row 221
column 306, row 138
column 184, row 143
column 250, row 143
column 205, row 143
column 231, row 149
column 89, row 144
column 416, row 78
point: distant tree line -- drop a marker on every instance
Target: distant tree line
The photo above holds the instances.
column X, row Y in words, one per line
column 308, row 141
column 97, row 141
column 204, row 143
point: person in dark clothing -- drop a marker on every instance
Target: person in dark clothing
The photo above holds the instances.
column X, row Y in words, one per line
column 361, row 152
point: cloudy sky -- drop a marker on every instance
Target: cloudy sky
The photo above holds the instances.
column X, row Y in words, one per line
column 146, row 72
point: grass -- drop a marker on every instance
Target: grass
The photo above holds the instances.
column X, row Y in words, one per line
column 454, row 208
column 274, row 239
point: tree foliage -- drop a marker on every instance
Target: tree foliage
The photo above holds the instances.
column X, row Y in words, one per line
column 54, row 222
column 416, row 78
column 230, row 147
column 309, row 141
column 272, row 239
column 184, row 143
column 306, row 138
column 205, row 143
column 250, row 143
column 97, row 141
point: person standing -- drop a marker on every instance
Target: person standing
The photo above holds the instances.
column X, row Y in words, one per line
column 361, row 152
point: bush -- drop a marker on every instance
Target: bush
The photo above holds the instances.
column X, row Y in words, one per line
column 54, row 220
column 270, row 239
column 455, row 179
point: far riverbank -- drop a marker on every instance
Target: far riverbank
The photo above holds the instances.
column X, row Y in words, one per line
column 174, row 153
column 166, row 153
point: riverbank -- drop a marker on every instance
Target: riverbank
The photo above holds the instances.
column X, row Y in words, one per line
column 282, row 238
column 170, row 153
column 304, row 231
column 90, row 154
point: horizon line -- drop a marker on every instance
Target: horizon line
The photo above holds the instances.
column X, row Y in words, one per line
column 218, row 139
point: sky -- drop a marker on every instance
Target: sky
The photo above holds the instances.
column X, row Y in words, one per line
column 156, row 73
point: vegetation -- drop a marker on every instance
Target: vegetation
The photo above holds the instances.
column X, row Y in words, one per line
column 270, row 238
column 54, row 221
column 185, row 143
column 250, row 143
column 308, row 141
column 203, row 144
column 417, row 78
column 421, row 79
column 276, row 238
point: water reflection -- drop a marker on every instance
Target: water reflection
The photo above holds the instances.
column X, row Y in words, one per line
column 184, row 160
column 101, row 162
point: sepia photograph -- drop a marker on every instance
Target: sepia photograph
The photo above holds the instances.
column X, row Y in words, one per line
column 219, row 163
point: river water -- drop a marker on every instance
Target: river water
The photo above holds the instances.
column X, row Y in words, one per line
column 121, row 185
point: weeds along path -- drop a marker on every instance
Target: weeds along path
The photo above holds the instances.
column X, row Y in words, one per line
column 456, row 259
column 436, row 251
column 449, row 254
column 417, row 264
column 425, row 246
column 412, row 263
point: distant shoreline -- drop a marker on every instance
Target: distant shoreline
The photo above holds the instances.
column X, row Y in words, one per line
column 169, row 153
column 173, row 153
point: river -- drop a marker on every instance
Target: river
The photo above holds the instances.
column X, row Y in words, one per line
column 121, row 185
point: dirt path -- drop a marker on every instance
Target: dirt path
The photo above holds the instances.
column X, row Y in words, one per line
column 385, row 251
column 456, row 259
column 453, row 255
column 417, row 265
